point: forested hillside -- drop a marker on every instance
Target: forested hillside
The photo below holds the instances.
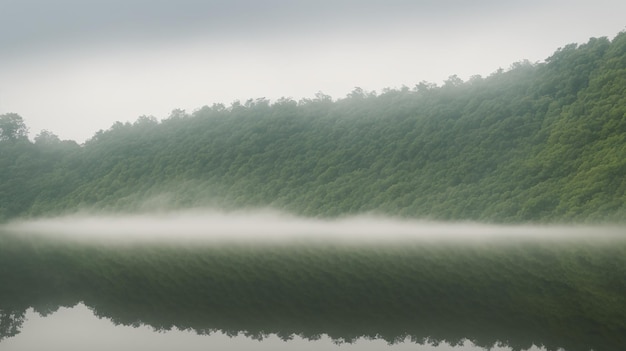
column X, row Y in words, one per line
column 537, row 142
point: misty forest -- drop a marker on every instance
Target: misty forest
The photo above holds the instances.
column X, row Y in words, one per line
column 541, row 142
column 537, row 144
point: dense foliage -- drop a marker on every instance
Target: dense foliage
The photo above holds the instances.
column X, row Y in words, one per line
column 562, row 297
column 537, row 142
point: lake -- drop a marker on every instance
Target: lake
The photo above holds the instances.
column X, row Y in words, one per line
column 512, row 294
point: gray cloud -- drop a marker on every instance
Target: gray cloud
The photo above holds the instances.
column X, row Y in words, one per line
column 36, row 25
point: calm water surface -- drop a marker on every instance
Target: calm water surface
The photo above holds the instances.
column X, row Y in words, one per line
column 511, row 295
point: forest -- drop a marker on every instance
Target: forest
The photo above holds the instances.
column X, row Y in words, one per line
column 538, row 142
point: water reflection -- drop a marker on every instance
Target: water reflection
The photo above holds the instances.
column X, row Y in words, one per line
column 78, row 329
column 519, row 295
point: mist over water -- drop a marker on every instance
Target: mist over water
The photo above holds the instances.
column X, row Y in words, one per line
column 365, row 280
column 271, row 227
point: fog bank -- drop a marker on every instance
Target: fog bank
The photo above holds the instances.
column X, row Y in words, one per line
column 204, row 226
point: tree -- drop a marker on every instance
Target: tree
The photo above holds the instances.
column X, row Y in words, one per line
column 46, row 137
column 453, row 81
column 10, row 323
column 12, row 127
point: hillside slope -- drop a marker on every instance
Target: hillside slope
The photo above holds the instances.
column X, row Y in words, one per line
column 538, row 142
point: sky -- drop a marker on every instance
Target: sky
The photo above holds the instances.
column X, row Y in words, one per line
column 99, row 334
column 74, row 67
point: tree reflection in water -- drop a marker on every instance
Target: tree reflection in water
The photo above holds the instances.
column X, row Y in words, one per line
column 519, row 295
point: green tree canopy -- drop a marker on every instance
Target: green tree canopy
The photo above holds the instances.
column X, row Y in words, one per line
column 12, row 127
column 537, row 142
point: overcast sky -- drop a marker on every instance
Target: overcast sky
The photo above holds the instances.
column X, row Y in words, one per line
column 76, row 66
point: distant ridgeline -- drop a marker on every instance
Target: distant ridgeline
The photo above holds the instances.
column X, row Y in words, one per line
column 538, row 142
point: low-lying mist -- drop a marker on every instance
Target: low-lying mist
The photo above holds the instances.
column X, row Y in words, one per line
column 270, row 227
